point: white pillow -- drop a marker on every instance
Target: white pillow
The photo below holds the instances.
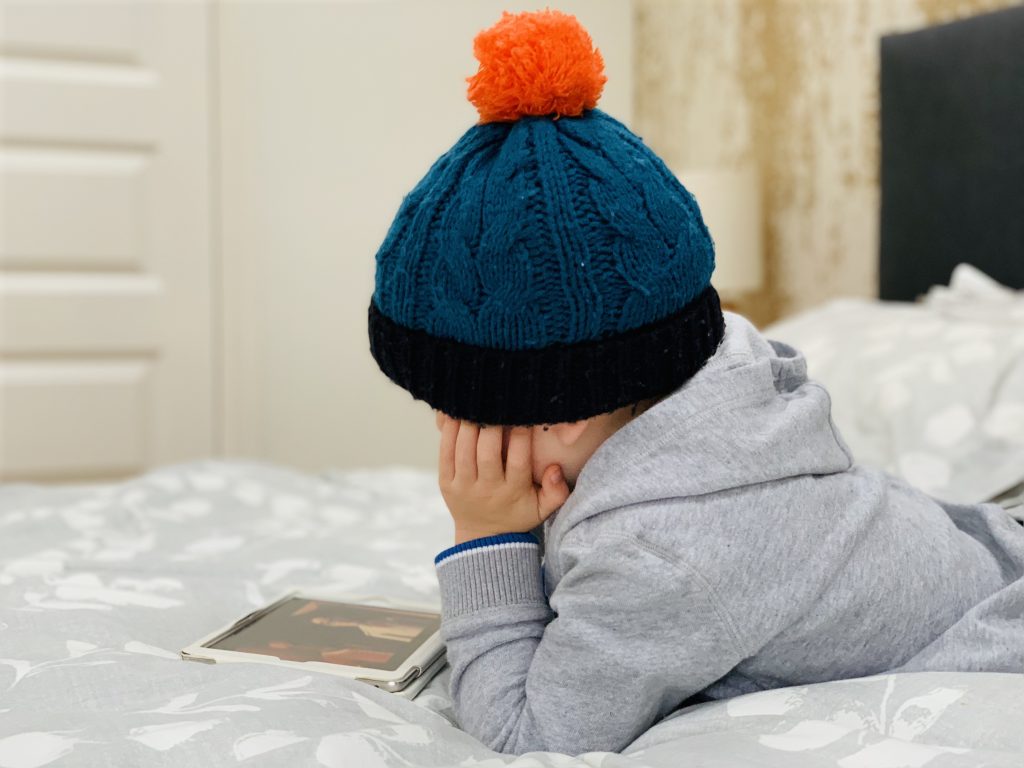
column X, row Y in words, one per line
column 932, row 392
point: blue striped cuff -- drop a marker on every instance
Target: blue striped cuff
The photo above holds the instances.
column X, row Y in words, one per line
column 501, row 541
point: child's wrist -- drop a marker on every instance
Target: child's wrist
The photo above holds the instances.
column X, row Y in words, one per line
column 462, row 537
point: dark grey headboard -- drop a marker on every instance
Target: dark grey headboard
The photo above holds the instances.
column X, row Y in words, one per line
column 952, row 172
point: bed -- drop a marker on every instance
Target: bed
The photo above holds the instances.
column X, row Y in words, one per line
column 101, row 585
column 928, row 382
column 931, row 391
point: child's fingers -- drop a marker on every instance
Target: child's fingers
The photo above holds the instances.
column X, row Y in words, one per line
column 465, row 451
column 488, row 455
column 553, row 493
column 518, row 467
column 446, row 456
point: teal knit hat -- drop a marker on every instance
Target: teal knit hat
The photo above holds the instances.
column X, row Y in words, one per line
column 549, row 267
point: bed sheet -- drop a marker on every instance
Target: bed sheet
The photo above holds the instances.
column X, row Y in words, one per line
column 100, row 586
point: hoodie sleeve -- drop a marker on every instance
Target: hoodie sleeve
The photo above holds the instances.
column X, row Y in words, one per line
column 629, row 635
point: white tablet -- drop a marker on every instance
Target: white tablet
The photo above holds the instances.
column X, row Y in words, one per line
column 392, row 645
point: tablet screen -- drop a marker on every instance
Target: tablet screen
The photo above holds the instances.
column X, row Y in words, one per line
column 302, row 629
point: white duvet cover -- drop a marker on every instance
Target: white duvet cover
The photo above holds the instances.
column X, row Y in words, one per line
column 933, row 391
column 100, row 587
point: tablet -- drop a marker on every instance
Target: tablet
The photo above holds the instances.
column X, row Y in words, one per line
column 393, row 646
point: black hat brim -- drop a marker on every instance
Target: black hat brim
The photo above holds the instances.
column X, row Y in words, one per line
column 553, row 384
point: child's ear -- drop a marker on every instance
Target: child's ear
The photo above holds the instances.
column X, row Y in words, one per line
column 569, row 432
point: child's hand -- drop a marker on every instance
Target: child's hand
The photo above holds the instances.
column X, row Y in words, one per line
column 485, row 498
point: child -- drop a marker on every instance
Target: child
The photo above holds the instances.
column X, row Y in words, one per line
column 550, row 279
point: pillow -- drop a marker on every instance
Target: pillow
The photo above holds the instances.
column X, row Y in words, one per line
column 932, row 392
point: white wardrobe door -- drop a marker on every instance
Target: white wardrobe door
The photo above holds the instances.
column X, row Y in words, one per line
column 106, row 324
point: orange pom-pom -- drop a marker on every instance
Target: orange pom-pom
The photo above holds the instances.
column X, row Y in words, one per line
column 535, row 63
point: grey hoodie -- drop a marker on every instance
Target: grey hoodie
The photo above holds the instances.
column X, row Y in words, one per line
column 722, row 542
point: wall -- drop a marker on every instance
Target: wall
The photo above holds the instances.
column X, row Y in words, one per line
column 790, row 85
column 329, row 114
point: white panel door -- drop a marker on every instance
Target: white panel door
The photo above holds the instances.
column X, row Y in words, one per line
column 106, row 323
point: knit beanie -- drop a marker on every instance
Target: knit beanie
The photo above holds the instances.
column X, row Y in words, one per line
column 549, row 267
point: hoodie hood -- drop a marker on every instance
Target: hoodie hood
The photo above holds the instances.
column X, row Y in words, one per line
column 749, row 416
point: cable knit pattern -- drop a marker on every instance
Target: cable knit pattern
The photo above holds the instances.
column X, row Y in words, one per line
column 549, row 267
column 538, row 232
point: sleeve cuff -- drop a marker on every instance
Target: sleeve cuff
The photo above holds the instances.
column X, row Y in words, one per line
column 499, row 540
column 488, row 572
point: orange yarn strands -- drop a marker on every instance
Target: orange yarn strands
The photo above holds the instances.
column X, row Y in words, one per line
column 535, row 63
